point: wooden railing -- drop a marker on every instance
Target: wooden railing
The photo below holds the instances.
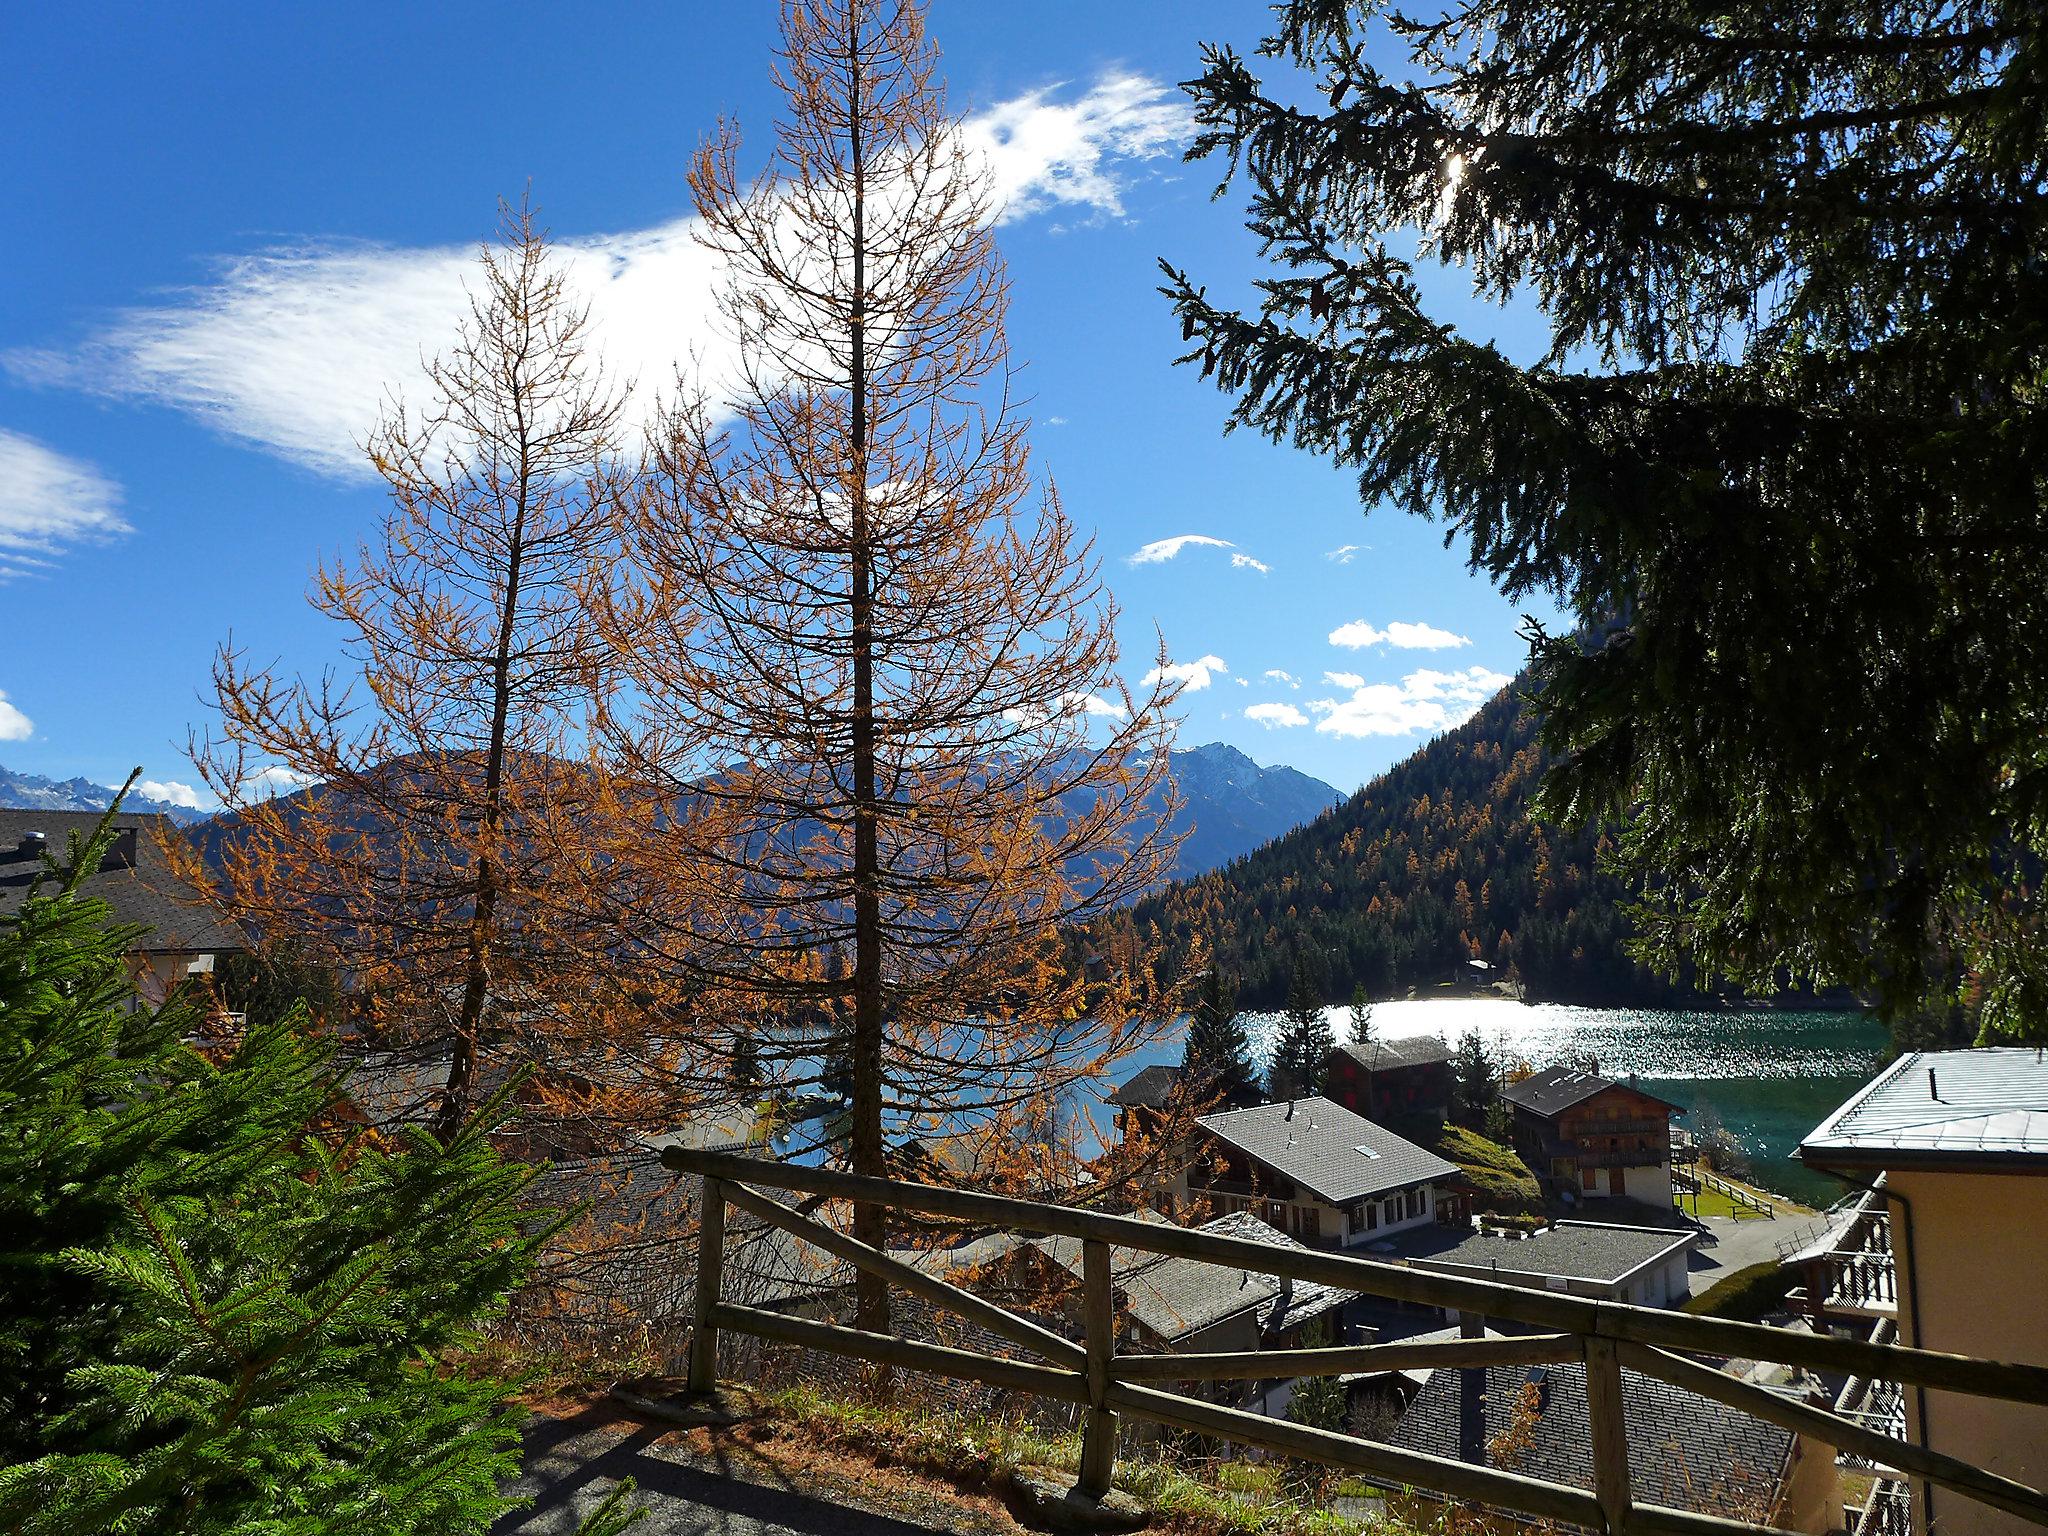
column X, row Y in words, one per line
column 1734, row 1192
column 1605, row 1336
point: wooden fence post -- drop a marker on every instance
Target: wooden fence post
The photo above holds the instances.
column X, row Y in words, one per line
column 1098, row 1319
column 1610, row 1434
column 710, row 1262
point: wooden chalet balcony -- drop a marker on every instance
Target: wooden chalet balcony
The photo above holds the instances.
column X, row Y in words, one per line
column 1092, row 1373
column 1620, row 1157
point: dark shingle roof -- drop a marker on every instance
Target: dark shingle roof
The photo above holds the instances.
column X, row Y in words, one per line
column 1327, row 1149
column 1174, row 1297
column 1148, row 1089
column 1943, row 1107
column 1391, row 1055
column 1685, row 1451
column 1585, row 1250
column 179, row 919
column 1555, row 1089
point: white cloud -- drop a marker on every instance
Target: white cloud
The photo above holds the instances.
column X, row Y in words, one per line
column 1272, row 715
column 1043, row 152
column 296, row 348
column 275, row 780
column 1358, row 634
column 1275, row 675
column 171, row 792
column 1344, row 679
column 14, row 725
column 1192, row 675
column 1075, row 703
column 1421, row 701
column 1242, row 682
column 1165, row 549
column 1239, row 561
column 48, row 502
column 1343, row 554
column 1055, row 421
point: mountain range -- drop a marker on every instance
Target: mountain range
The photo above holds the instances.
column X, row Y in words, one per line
column 1231, row 804
column 32, row 792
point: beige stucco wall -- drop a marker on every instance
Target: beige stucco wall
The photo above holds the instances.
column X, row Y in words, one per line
column 1976, row 1249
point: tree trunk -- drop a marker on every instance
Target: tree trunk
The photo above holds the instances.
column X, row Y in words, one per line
column 871, row 1295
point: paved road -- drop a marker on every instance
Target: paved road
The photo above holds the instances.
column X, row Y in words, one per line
column 572, row 1464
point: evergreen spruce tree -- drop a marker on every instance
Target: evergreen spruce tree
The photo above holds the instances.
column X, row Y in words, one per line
column 1217, row 1058
column 214, row 1316
column 1474, row 1086
column 1361, row 1015
column 1783, row 458
column 1301, row 1056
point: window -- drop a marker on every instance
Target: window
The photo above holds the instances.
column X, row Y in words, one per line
column 1365, row 1216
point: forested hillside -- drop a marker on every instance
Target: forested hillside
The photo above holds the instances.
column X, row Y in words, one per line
column 1434, row 864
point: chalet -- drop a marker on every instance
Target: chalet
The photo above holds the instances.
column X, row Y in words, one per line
column 1953, row 1146
column 1315, row 1170
column 1169, row 1305
column 1396, row 1082
column 1686, row 1451
column 1587, row 1134
column 1141, row 1100
column 184, row 935
column 1644, row 1266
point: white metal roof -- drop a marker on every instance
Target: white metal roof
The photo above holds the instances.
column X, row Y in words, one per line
column 1949, row 1107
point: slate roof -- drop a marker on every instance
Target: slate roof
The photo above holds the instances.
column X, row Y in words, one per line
column 1148, row 1089
column 1174, row 1297
column 1326, row 1149
column 1942, row 1109
column 1391, row 1055
column 179, row 918
column 1684, row 1450
column 1584, row 1250
column 1556, row 1089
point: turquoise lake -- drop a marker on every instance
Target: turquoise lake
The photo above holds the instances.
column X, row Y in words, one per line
column 1772, row 1075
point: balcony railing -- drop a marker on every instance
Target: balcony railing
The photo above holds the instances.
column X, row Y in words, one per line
column 1091, row 1372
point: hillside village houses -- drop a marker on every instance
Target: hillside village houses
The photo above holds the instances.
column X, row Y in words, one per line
column 1402, row 1081
column 1590, row 1137
column 1317, row 1171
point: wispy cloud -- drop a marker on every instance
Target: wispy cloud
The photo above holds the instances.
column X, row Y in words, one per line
column 295, row 349
column 1273, row 716
column 1421, row 701
column 1043, row 151
column 49, row 502
column 1344, row 679
column 1358, row 634
column 14, row 725
column 1194, row 676
column 1275, row 675
column 1242, row 561
column 1160, row 550
column 1343, row 554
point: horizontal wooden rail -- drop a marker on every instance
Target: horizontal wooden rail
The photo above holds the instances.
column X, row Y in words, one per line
column 1832, row 1429
column 1002, row 1323
column 1443, row 1354
column 1604, row 1335
column 1542, row 1309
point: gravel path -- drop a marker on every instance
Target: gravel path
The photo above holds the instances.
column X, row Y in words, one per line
column 571, row 1464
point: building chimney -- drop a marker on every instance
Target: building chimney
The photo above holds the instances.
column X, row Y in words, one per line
column 1290, row 1104
column 1933, row 1092
column 121, row 851
column 31, row 845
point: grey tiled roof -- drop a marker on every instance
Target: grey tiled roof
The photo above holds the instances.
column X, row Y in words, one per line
column 1583, row 1250
column 1173, row 1297
column 1684, row 1450
column 179, row 919
column 1555, row 1089
column 1944, row 1106
column 1148, row 1089
column 1390, row 1055
column 1329, row 1151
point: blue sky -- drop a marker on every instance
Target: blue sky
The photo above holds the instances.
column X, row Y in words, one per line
column 232, row 227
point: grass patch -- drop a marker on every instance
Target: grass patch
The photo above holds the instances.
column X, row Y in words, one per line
column 1506, row 1186
column 1747, row 1294
column 1189, row 1498
column 1711, row 1202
